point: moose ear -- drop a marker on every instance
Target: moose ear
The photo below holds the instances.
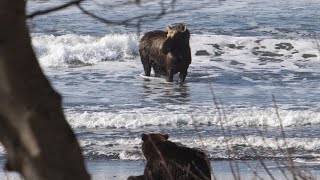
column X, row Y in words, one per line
column 166, row 136
column 183, row 28
column 144, row 137
column 168, row 28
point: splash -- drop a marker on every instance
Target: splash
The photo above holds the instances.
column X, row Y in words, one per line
column 77, row 50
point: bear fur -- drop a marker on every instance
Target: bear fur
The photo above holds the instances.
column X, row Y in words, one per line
column 167, row 52
column 169, row 160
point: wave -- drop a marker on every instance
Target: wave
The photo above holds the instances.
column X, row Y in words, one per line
column 256, row 53
column 303, row 150
column 184, row 117
column 216, row 147
column 229, row 51
column 72, row 50
column 112, row 148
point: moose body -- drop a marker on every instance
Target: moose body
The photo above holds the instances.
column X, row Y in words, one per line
column 167, row 52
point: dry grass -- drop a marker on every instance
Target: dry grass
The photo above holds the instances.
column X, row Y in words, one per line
column 286, row 166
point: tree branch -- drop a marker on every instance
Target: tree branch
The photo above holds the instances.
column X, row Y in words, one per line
column 50, row 10
column 104, row 20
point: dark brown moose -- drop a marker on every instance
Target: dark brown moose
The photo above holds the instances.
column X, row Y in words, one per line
column 167, row 52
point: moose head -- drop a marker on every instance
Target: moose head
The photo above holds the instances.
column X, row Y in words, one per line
column 177, row 36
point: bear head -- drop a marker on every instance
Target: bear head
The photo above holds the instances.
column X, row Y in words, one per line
column 152, row 144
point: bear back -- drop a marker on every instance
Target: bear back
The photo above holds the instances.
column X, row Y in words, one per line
column 163, row 155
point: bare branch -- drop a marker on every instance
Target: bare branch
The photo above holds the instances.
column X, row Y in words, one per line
column 111, row 6
column 216, row 104
column 131, row 22
column 103, row 20
column 50, row 10
column 126, row 22
column 292, row 168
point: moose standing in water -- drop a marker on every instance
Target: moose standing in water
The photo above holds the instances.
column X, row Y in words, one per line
column 167, row 52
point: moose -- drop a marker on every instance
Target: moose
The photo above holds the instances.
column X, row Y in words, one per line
column 167, row 52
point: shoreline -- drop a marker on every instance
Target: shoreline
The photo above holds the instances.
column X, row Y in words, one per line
column 121, row 169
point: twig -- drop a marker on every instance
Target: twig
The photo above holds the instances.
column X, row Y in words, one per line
column 142, row 18
column 230, row 135
column 103, row 20
column 273, row 153
column 261, row 162
column 50, row 10
column 202, row 145
column 253, row 171
column 292, row 169
column 127, row 3
column 223, row 130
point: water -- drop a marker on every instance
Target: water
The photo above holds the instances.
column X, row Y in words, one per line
column 256, row 49
column 110, row 169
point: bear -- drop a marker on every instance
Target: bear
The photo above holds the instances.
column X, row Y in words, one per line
column 167, row 52
column 170, row 160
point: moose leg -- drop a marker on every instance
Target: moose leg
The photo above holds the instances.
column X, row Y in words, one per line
column 146, row 66
column 157, row 70
column 145, row 62
column 169, row 75
column 157, row 74
column 182, row 76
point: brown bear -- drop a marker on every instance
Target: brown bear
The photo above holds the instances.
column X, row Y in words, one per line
column 167, row 52
column 169, row 160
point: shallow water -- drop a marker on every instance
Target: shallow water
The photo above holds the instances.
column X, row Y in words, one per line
column 115, row 169
column 252, row 50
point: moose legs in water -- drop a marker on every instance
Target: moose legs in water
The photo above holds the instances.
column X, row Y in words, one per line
column 145, row 62
column 183, row 76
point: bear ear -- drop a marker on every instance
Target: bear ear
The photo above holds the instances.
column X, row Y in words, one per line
column 183, row 28
column 144, row 137
column 166, row 136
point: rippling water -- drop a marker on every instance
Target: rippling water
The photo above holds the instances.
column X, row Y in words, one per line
column 253, row 49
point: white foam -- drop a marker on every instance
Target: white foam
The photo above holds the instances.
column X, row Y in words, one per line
column 291, row 59
column 315, row 161
column 212, row 143
column 126, row 155
column 217, row 146
column 186, row 116
column 107, row 142
column 122, row 148
column 60, row 51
